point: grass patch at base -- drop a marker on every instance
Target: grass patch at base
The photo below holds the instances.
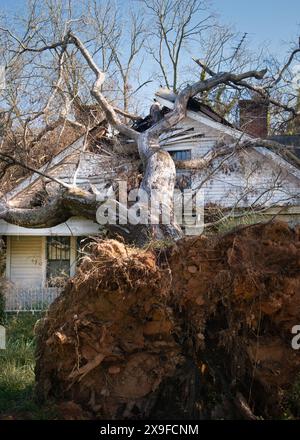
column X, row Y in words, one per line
column 17, row 368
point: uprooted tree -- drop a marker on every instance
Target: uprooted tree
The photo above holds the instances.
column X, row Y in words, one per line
column 201, row 325
column 158, row 168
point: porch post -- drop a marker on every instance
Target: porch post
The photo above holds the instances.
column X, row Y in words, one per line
column 8, row 247
column 73, row 254
column 44, row 261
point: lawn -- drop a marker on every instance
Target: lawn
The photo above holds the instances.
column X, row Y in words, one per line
column 17, row 370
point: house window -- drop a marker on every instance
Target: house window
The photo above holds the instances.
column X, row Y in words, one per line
column 181, row 154
column 58, row 259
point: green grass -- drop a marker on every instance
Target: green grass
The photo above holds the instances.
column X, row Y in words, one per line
column 229, row 223
column 17, row 369
column 292, row 401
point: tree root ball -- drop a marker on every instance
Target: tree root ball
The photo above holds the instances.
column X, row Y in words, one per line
column 107, row 342
column 132, row 319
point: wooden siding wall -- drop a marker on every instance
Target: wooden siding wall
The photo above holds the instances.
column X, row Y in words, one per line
column 248, row 178
column 26, row 265
column 26, row 260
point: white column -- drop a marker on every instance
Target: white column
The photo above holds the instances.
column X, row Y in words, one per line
column 44, row 261
column 7, row 270
column 73, row 255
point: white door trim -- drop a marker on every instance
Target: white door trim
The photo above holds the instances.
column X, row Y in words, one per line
column 44, row 261
column 8, row 247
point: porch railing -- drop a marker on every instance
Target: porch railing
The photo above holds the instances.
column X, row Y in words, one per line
column 33, row 299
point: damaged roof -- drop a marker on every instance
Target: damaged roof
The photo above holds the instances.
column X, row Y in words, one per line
column 290, row 154
column 195, row 105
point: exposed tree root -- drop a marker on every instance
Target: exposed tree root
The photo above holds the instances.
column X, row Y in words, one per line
column 201, row 329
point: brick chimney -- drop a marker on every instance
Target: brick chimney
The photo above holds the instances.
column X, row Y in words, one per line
column 254, row 117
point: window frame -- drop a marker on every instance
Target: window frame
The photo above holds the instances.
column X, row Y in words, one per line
column 180, row 151
column 66, row 253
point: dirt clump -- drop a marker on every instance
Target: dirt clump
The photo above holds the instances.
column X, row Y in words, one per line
column 241, row 305
column 204, row 324
column 107, row 341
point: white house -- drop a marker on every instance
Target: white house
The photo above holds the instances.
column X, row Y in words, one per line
column 256, row 176
column 250, row 178
column 36, row 259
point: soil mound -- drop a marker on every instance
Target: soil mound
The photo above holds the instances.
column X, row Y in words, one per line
column 107, row 341
column 200, row 329
column 240, row 295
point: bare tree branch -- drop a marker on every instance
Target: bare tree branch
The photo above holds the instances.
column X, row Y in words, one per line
column 285, row 67
column 11, row 160
column 159, row 169
column 259, row 90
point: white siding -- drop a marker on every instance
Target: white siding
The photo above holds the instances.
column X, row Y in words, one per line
column 26, row 261
column 251, row 178
column 247, row 180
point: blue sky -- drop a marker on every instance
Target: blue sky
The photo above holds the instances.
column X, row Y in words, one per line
column 274, row 22
column 267, row 21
